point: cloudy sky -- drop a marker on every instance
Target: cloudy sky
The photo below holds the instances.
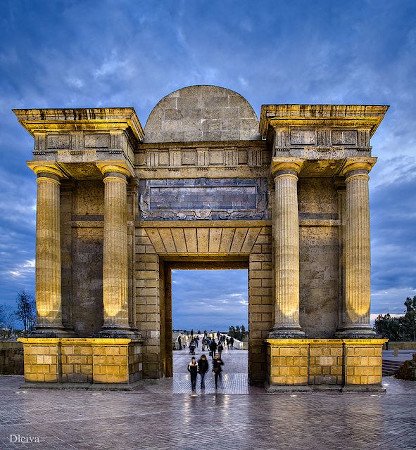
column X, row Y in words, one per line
column 95, row 53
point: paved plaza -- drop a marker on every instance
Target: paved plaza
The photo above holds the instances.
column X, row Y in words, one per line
column 163, row 415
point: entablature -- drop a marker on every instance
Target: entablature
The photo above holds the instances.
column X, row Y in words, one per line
column 77, row 139
column 206, row 159
column 320, row 132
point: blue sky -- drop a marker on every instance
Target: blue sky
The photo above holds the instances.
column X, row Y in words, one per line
column 132, row 53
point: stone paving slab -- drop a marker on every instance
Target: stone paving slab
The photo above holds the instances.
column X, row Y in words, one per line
column 155, row 417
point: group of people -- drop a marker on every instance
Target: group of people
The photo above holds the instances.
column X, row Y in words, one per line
column 208, row 342
column 215, row 344
column 201, row 367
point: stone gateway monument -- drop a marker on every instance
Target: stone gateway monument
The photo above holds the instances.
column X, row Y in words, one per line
column 203, row 185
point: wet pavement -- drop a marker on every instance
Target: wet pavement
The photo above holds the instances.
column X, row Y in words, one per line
column 163, row 415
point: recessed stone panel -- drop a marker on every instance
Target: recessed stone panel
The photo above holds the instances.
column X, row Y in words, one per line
column 214, row 199
column 344, row 137
column 58, row 141
column 302, row 137
column 100, row 140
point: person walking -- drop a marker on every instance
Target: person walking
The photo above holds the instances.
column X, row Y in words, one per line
column 212, row 348
column 193, row 370
column 179, row 342
column 203, row 367
column 220, row 348
column 232, row 343
column 217, row 364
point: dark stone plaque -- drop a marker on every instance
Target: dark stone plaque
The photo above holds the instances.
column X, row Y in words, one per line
column 203, row 198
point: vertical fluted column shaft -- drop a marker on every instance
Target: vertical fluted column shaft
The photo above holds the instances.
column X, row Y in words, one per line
column 48, row 252
column 115, row 264
column 286, row 231
column 357, row 250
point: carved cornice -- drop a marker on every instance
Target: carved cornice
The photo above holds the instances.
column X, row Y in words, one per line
column 342, row 116
column 88, row 119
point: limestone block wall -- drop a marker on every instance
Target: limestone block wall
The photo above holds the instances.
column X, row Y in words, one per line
column 147, row 300
column 261, row 303
column 319, row 257
column 11, row 358
column 319, row 280
column 324, row 362
column 82, row 360
column 82, row 210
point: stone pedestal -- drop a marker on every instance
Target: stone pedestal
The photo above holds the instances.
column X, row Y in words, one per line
column 342, row 364
column 115, row 265
column 48, row 252
column 82, row 360
column 286, row 234
column 356, row 311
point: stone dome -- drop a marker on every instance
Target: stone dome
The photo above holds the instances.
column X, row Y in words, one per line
column 202, row 113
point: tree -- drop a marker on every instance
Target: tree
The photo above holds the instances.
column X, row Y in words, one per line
column 409, row 320
column 26, row 310
column 399, row 328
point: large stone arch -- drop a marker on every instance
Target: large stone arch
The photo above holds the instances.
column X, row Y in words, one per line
column 204, row 183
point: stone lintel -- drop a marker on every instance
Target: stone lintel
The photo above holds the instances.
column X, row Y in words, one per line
column 340, row 116
column 77, row 119
column 203, row 223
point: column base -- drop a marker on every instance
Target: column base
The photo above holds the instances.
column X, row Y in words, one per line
column 119, row 332
column 356, row 333
column 287, row 333
column 52, row 332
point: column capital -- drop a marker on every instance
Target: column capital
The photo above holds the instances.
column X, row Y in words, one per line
column 361, row 164
column 118, row 167
column 288, row 164
column 45, row 168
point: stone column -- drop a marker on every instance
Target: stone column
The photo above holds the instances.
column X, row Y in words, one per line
column 48, row 251
column 286, row 235
column 356, row 311
column 115, row 264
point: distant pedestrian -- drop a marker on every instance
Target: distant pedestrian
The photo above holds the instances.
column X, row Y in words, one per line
column 227, row 341
column 180, row 343
column 212, row 348
column 232, row 342
column 217, row 364
column 220, row 348
column 203, row 367
column 193, row 370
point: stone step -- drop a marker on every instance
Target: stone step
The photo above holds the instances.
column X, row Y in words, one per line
column 390, row 367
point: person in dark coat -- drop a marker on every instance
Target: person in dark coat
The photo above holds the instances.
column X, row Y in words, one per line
column 193, row 370
column 220, row 348
column 203, row 367
column 213, row 347
column 217, row 364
